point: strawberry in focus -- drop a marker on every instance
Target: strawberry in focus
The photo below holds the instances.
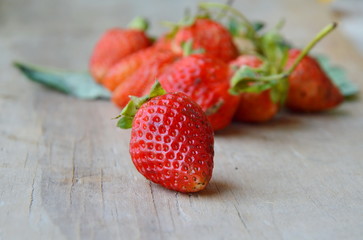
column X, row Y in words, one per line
column 171, row 140
column 206, row 81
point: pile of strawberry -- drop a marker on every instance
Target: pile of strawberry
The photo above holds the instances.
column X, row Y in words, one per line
column 208, row 75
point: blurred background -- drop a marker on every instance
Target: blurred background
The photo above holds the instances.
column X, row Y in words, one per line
column 64, row 32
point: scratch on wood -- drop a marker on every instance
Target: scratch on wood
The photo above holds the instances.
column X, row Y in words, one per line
column 73, row 173
column 26, row 159
column 31, row 197
column 156, row 210
column 32, row 192
column 102, row 192
column 241, row 219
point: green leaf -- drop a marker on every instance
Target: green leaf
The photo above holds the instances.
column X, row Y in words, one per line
column 258, row 25
column 338, row 76
column 80, row 85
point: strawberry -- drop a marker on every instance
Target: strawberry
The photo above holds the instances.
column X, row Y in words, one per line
column 129, row 64
column 310, row 88
column 141, row 81
column 171, row 140
column 115, row 44
column 254, row 107
column 209, row 35
column 206, row 80
column 301, row 81
column 163, row 43
column 124, row 68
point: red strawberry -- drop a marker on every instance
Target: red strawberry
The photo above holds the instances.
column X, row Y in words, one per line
column 141, row 81
column 310, row 88
column 254, row 107
column 206, row 80
column 209, row 35
column 126, row 67
column 115, row 44
column 171, row 142
column 163, row 43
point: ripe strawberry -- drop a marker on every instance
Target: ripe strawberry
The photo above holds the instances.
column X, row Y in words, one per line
column 115, row 44
column 310, row 88
column 124, row 68
column 206, row 80
column 209, row 35
column 254, row 107
column 163, row 43
column 141, row 81
column 171, row 141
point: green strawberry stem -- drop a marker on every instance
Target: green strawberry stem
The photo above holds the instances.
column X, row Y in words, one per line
column 325, row 31
column 128, row 113
column 139, row 23
column 224, row 7
column 244, row 76
column 207, row 5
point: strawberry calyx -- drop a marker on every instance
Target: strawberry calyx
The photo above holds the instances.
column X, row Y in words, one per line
column 271, row 75
column 244, row 32
column 188, row 48
column 129, row 111
column 139, row 23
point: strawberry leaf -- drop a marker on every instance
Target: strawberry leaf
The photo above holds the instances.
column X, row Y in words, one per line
column 338, row 76
column 79, row 85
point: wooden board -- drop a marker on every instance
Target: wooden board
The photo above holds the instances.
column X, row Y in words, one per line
column 65, row 171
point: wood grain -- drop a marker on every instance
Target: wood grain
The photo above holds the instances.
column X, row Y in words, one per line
column 65, row 171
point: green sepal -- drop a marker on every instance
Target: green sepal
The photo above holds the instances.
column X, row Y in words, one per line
column 275, row 49
column 79, row 85
column 139, row 23
column 257, row 80
column 188, row 48
column 244, row 80
column 129, row 111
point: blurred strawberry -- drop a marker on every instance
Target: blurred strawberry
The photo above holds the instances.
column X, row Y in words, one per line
column 206, row 34
column 206, row 80
column 141, row 81
column 124, row 68
column 116, row 44
column 310, row 88
column 253, row 107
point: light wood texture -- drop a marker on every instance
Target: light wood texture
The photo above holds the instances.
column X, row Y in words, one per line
column 65, row 171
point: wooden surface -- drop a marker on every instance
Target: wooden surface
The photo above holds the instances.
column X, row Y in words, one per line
column 65, row 171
